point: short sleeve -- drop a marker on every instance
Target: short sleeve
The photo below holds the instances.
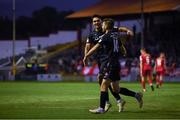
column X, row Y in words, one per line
column 89, row 39
column 140, row 58
column 115, row 29
column 101, row 39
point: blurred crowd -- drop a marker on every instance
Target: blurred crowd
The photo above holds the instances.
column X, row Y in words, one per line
column 70, row 62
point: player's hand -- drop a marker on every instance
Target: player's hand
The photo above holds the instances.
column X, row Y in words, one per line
column 130, row 33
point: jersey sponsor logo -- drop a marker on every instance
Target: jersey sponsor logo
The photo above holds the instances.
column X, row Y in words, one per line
column 100, row 41
column 96, row 39
column 100, row 38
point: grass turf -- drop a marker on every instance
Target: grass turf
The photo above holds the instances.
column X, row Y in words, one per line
column 42, row 100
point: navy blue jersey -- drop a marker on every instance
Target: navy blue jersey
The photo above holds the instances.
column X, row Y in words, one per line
column 109, row 46
column 93, row 37
column 109, row 57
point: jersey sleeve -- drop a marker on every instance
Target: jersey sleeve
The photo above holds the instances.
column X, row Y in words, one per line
column 140, row 58
column 102, row 39
column 115, row 29
column 89, row 39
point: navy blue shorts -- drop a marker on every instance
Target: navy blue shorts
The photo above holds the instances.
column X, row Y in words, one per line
column 110, row 70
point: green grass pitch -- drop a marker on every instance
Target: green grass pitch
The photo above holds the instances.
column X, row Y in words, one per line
column 44, row 100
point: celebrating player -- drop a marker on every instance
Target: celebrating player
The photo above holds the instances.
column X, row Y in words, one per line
column 91, row 41
column 109, row 58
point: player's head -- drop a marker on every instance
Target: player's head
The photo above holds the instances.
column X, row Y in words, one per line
column 162, row 55
column 108, row 24
column 143, row 51
column 148, row 54
column 97, row 21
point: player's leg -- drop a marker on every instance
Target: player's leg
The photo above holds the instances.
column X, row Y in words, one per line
column 103, row 97
column 114, row 93
column 127, row 92
column 100, row 78
column 115, row 77
column 157, row 79
column 149, row 78
column 104, row 93
column 124, row 91
column 120, row 101
column 137, row 95
column 161, row 79
column 143, row 83
column 108, row 104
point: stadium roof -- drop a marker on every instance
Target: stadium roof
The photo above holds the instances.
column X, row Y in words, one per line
column 126, row 7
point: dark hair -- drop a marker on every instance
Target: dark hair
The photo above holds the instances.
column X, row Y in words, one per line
column 109, row 22
column 98, row 16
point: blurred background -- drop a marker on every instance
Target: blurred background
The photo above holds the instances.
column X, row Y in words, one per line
column 43, row 40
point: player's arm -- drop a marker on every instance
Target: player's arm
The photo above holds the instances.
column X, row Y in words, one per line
column 140, row 66
column 123, row 50
column 88, row 45
column 122, row 47
column 87, row 48
column 155, row 65
column 90, row 52
column 125, row 29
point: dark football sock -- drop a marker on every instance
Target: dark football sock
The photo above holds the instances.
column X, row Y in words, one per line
column 127, row 92
column 116, row 95
column 107, row 99
column 152, row 87
column 103, row 98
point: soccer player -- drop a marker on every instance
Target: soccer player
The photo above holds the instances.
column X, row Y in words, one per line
column 160, row 67
column 145, row 69
column 109, row 58
column 91, row 41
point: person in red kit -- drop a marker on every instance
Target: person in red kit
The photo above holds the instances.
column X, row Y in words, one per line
column 145, row 69
column 160, row 68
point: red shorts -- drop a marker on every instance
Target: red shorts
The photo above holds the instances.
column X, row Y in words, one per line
column 147, row 72
column 162, row 72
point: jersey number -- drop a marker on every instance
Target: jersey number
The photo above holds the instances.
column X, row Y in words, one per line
column 158, row 62
column 148, row 60
column 116, row 45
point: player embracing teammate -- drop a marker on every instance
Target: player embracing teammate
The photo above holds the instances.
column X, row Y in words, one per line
column 107, row 49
